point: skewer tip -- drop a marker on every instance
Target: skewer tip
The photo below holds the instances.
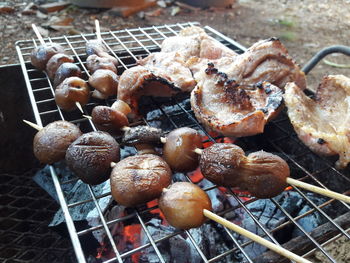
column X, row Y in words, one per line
column 163, row 139
column 79, row 106
column 88, row 117
column 113, row 164
column 198, row 151
column 33, row 125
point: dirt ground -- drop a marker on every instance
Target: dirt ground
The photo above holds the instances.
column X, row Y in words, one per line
column 305, row 27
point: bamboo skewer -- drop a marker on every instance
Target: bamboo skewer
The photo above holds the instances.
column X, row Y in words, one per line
column 42, row 42
column 38, row 35
column 98, row 30
column 278, row 249
column 33, row 125
column 319, row 190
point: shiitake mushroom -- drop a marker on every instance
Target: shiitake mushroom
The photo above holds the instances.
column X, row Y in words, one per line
column 178, row 151
column 41, row 54
column 142, row 134
column 96, row 47
column 139, row 179
column 55, row 62
column 95, row 62
column 51, row 142
column 261, row 173
column 65, row 71
column 182, row 205
column 105, row 83
column 90, row 156
column 70, row 91
column 107, row 119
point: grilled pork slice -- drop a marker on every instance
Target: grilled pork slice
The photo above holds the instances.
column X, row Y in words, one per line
column 323, row 123
column 267, row 60
column 223, row 106
column 140, row 81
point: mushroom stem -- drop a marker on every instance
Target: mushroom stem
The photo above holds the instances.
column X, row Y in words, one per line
column 113, row 164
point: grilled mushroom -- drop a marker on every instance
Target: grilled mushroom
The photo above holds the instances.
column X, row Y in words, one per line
column 51, row 142
column 179, row 149
column 95, row 62
column 64, row 71
column 182, row 205
column 96, row 47
column 90, row 156
column 105, row 83
column 41, row 54
column 261, row 173
column 139, row 179
column 107, row 119
column 70, row 91
column 55, row 62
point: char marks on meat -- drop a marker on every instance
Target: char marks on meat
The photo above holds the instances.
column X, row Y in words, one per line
column 323, row 123
column 170, row 69
column 239, row 98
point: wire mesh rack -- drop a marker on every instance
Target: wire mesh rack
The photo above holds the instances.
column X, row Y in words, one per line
column 128, row 46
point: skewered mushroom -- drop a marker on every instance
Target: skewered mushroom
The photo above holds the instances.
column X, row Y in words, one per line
column 261, row 173
column 96, row 47
column 182, row 205
column 107, row 119
column 41, row 54
column 179, row 149
column 90, row 156
column 55, row 62
column 71, row 91
column 139, row 179
column 95, row 62
column 65, row 71
column 51, row 142
column 105, row 83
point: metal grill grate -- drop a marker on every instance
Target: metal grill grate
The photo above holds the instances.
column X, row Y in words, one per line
column 128, row 45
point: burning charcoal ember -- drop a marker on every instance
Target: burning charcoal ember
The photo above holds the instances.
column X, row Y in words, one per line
column 141, row 135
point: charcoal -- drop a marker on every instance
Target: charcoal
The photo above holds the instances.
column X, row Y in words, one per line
column 216, row 196
column 44, row 180
column 87, row 211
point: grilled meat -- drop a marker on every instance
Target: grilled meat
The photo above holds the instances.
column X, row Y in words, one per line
column 168, row 71
column 239, row 98
column 323, row 123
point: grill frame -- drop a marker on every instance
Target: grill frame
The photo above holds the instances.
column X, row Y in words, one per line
column 126, row 54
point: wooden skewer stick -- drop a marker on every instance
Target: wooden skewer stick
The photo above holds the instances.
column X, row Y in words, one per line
column 38, row 35
column 98, row 30
column 33, row 125
column 42, row 42
column 319, row 190
column 77, row 103
column 278, row 249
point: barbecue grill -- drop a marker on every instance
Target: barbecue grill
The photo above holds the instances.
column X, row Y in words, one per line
column 127, row 46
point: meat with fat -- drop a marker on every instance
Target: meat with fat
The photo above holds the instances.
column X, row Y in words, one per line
column 323, row 123
column 239, row 98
